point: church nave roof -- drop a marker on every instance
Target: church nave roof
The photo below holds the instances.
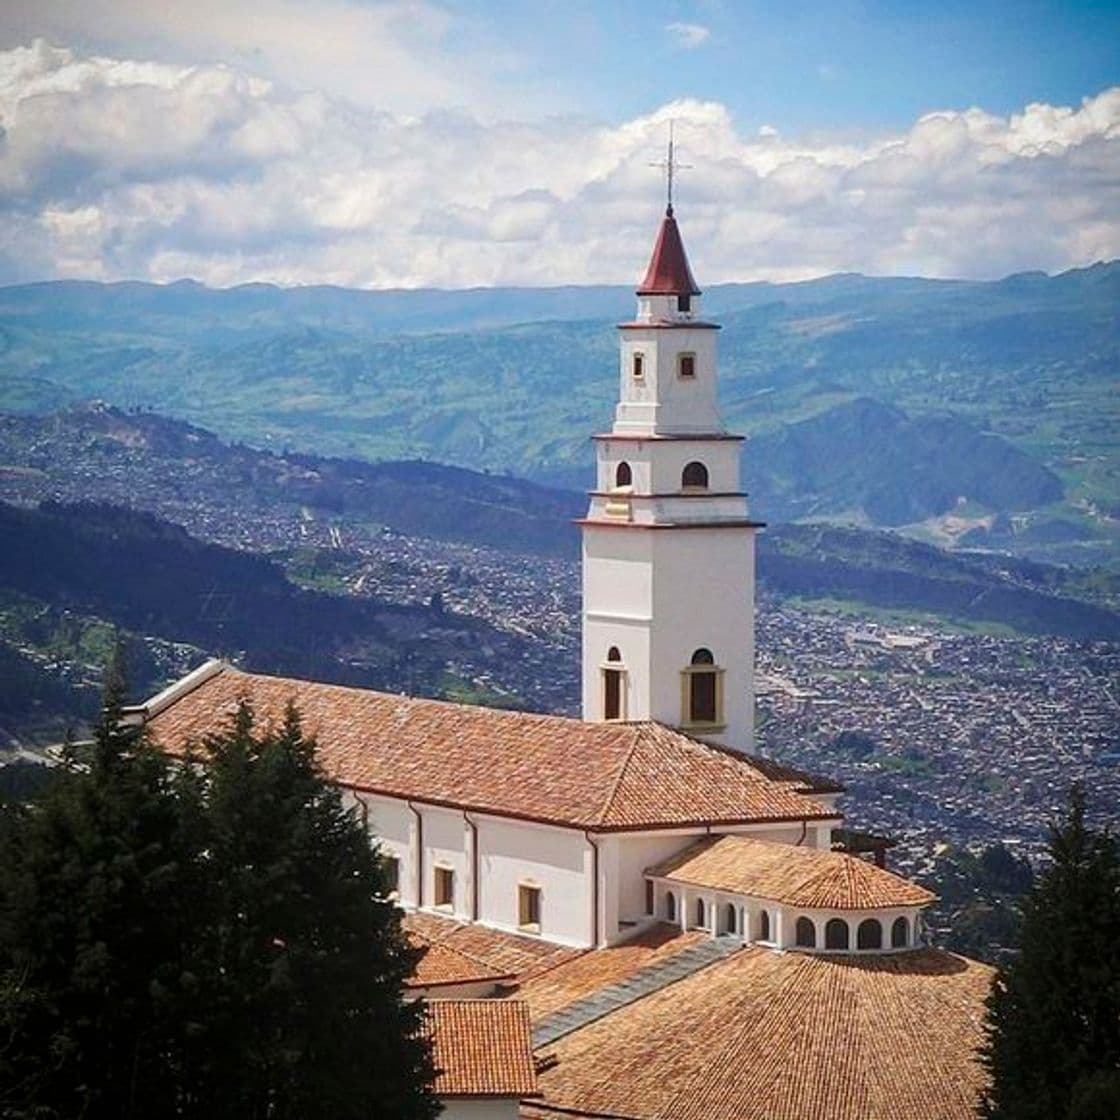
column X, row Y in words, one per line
column 598, row 776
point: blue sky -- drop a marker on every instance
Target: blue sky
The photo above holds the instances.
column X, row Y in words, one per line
column 807, row 66
column 382, row 143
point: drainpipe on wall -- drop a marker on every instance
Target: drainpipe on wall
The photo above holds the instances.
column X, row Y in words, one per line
column 419, row 854
column 474, row 865
column 594, row 889
column 804, row 830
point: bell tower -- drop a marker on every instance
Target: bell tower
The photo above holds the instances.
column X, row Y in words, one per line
column 668, row 546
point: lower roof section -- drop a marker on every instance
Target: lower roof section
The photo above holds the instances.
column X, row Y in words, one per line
column 762, row 1035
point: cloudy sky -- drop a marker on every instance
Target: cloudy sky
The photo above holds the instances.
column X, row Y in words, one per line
column 456, row 143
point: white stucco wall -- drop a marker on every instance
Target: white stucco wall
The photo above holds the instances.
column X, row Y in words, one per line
column 662, row 401
column 635, row 855
column 557, row 860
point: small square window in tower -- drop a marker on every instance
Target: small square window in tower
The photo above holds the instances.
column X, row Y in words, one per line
column 686, row 366
column 529, row 907
column 445, row 887
column 639, row 366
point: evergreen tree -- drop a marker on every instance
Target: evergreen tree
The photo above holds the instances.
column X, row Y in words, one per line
column 206, row 940
column 1053, row 1045
column 308, row 955
column 93, row 918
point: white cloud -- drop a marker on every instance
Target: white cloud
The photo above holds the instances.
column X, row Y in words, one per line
column 115, row 168
column 688, row 36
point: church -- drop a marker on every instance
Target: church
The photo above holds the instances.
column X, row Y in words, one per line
column 672, row 914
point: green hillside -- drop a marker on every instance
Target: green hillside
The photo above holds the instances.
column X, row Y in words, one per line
column 976, row 408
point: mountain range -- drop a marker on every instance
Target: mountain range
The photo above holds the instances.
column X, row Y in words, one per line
column 958, row 412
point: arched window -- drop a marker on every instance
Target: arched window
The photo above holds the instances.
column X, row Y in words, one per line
column 870, row 934
column 613, row 685
column 730, row 919
column 836, row 934
column 623, row 476
column 702, row 693
column 806, row 933
column 694, row 477
column 701, row 913
column 764, row 926
column 670, row 906
column 898, row 933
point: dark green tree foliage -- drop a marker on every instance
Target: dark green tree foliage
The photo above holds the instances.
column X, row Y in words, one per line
column 201, row 941
column 1053, row 1044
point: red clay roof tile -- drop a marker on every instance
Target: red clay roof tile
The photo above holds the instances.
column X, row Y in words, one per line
column 598, row 776
column 481, row 1048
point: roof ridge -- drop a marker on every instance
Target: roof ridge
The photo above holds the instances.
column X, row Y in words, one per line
column 401, row 697
column 604, row 813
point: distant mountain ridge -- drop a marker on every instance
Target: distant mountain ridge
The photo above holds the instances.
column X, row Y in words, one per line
column 1006, row 390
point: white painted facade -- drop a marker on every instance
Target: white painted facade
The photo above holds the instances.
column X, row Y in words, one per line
column 592, row 885
column 668, row 546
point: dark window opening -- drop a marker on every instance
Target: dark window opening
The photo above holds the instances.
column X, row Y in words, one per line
column 649, row 896
column 870, row 934
column 703, row 699
column 684, row 301
column 701, row 913
column 688, row 365
column 731, row 921
column 612, row 694
column 639, row 366
column 764, row 926
column 529, row 906
column 445, row 886
column 836, row 934
column 806, row 934
column 898, row 934
column 695, row 477
column 623, row 476
column 671, row 906
column 392, row 871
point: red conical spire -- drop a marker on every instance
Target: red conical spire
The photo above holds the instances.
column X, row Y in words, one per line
column 668, row 273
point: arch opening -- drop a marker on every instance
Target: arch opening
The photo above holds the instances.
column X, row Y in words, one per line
column 805, row 933
column 900, row 933
column 703, row 688
column 870, row 934
column 836, row 934
column 694, row 476
column 623, row 475
column 730, row 918
column 670, row 906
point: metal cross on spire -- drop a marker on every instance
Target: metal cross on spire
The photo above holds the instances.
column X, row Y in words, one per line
column 670, row 165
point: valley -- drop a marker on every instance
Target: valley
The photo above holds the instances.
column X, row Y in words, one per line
column 978, row 685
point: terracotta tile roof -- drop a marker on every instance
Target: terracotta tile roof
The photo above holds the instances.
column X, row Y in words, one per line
column 783, row 1036
column 600, row 776
column 580, row 976
column 442, row 965
column 502, row 954
column 798, row 779
column 795, row 876
column 481, row 1048
column 668, row 272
